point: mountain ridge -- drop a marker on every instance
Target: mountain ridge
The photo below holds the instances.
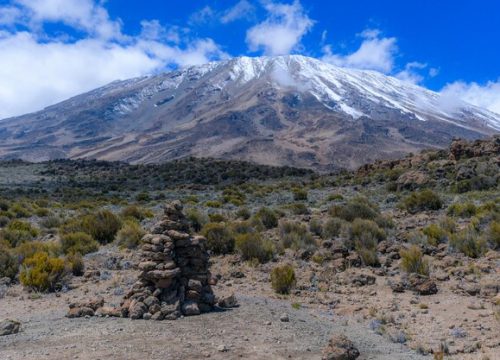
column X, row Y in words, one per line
column 286, row 110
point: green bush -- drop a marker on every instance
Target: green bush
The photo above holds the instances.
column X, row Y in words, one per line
column 136, row 212
column 8, row 263
column 42, row 272
column 130, row 235
column 268, row 217
column 316, row 226
column 50, row 222
column 251, row 246
column 493, row 234
column 242, row 227
column 295, row 235
column 469, row 242
column 196, row 219
column 435, row 234
column 220, row 240
column 335, row 197
column 17, row 232
column 143, row 197
column 299, row 194
column 78, row 242
column 28, row 249
column 102, row 226
column 297, row 208
column 465, row 210
column 75, row 264
column 283, row 278
column 357, row 208
column 421, row 201
column 413, row 261
column 243, row 213
column 366, row 232
column 213, row 204
column 216, row 217
column 364, row 235
column 332, row 228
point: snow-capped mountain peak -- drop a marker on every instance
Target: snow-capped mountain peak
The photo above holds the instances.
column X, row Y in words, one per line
column 303, row 111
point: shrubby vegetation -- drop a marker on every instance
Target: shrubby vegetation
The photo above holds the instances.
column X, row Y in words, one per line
column 220, row 239
column 283, row 278
column 43, row 273
column 422, row 200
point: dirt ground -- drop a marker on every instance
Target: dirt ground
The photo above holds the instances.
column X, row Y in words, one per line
column 372, row 316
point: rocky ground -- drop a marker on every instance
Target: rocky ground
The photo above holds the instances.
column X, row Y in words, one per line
column 358, row 303
column 261, row 327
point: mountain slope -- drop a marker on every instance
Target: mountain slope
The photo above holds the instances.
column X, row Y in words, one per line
column 287, row 110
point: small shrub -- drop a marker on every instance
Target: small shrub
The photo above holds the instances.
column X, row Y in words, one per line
column 368, row 256
column 469, row 243
column 357, row 208
column 216, row 217
column 17, row 232
column 332, row 228
column 75, row 264
column 297, row 208
column 28, row 249
column 130, row 235
column 143, row 197
column 220, row 240
column 299, row 194
column 196, row 219
column 435, row 234
column 366, row 232
column 135, row 212
column 465, row 210
column 251, row 246
column 413, row 261
column 43, row 273
column 364, row 235
column 78, row 242
column 422, row 200
column 8, row 263
column 283, row 278
column 102, row 226
column 213, row 204
column 42, row 212
column 243, row 213
column 335, row 197
column 493, row 234
column 50, row 222
column 242, row 227
column 267, row 217
column 295, row 235
column 316, row 227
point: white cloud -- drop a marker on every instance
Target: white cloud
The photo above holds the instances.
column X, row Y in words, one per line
column 242, row 10
column 374, row 53
column 282, row 31
column 486, row 96
column 36, row 70
column 202, row 16
column 410, row 73
column 85, row 15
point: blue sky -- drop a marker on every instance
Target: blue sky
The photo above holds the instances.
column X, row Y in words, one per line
column 53, row 49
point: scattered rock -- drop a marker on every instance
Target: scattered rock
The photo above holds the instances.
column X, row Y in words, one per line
column 9, row 327
column 340, row 348
column 228, row 302
column 284, row 318
column 363, row 280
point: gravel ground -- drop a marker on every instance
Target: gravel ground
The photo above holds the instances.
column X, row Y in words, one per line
column 252, row 331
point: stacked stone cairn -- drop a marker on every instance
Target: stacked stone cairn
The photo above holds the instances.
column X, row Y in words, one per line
column 174, row 278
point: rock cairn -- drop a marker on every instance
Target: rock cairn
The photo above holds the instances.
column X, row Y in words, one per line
column 174, row 278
